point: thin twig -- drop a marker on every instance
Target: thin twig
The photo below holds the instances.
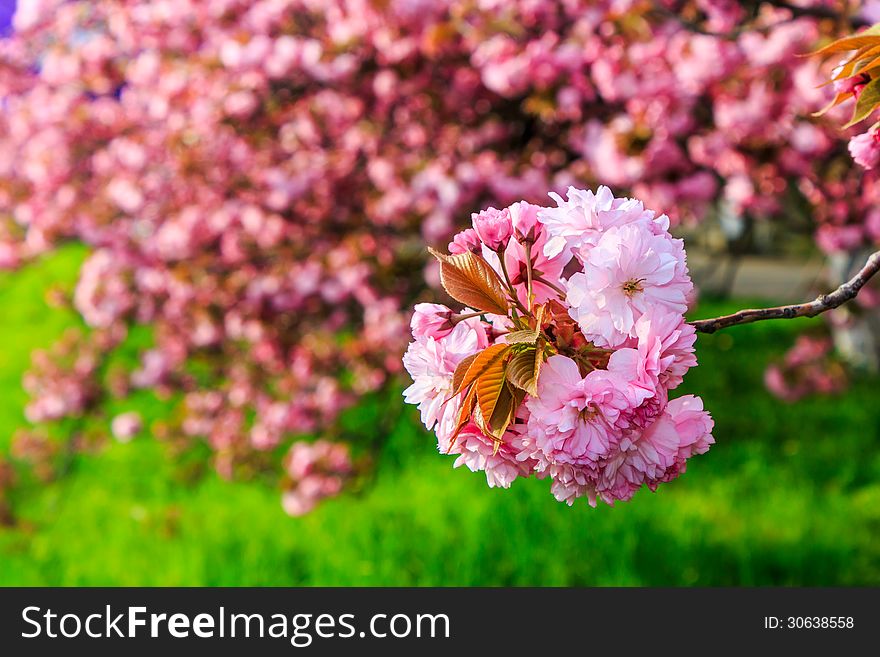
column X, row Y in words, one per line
column 817, row 306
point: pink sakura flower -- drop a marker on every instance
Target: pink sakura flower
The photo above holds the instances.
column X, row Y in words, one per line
column 643, row 457
column 665, row 347
column 103, row 293
column 636, row 371
column 524, row 217
column 693, row 424
column 569, row 482
column 581, row 219
column 479, row 452
column 493, row 227
column 466, row 240
column 658, row 453
column 629, row 272
column 431, row 362
column 530, row 246
column 431, row 320
column 574, row 419
column 865, row 148
column 543, row 269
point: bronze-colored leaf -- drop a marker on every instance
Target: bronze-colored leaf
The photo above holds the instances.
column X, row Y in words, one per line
column 867, row 38
column 868, row 101
column 501, row 414
column 556, row 310
column 526, row 336
column 490, row 389
column 518, row 398
column 522, row 371
column 460, row 370
column 464, row 413
column 861, row 57
column 481, row 362
column 850, row 66
column 470, row 280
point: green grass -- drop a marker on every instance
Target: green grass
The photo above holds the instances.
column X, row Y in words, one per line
column 790, row 494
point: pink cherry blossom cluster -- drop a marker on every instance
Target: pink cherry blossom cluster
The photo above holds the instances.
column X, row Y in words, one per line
column 315, row 470
column 126, row 426
column 254, row 178
column 807, row 368
column 61, row 379
column 600, row 423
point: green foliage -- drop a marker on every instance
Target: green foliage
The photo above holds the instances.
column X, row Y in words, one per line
column 789, row 495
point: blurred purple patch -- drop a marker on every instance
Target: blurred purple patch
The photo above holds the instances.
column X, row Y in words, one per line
column 7, row 11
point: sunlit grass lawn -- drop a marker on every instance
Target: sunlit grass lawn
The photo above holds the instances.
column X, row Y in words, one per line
column 789, row 495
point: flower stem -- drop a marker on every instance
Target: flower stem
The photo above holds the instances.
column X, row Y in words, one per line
column 510, row 289
column 555, row 288
column 529, row 272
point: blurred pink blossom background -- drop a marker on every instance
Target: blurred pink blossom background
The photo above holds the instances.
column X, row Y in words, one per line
column 255, row 180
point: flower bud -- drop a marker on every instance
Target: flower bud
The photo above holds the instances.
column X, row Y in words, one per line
column 493, row 227
column 524, row 217
column 466, row 240
column 432, row 320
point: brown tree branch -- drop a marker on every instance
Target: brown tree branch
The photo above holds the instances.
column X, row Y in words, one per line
column 817, row 306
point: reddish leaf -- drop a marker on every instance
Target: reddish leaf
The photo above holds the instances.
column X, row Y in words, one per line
column 849, row 66
column 491, row 389
column 502, row 414
column 867, row 38
column 464, row 413
column 460, row 370
column 481, row 362
column 470, row 280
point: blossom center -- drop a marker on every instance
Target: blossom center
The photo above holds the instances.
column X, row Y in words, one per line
column 632, row 286
column 589, row 412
